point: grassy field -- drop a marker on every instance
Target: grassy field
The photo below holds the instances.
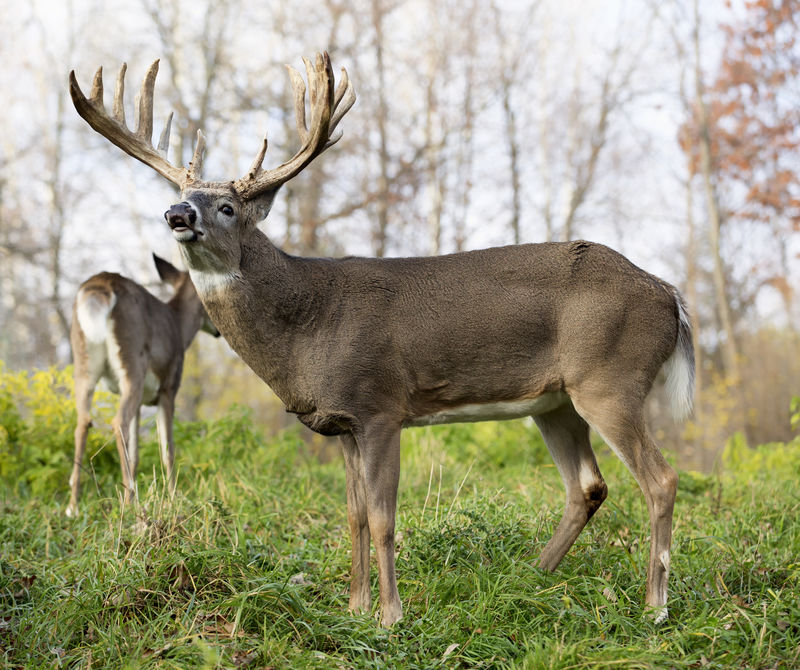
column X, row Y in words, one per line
column 249, row 566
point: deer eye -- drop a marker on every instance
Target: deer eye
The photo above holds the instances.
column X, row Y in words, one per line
column 227, row 210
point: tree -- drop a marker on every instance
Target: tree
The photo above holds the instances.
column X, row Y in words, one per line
column 742, row 138
column 756, row 113
column 696, row 140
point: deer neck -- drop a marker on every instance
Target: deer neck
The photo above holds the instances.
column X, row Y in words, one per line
column 265, row 309
column 184, row 306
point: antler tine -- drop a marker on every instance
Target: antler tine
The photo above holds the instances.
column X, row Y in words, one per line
column 196, row 166
column 96, row 95
column 163, row 140
column 299, row 87
column 137, row 144
column 119, row 90
column 255, row 168
column 311, row 78
column 343, row 100
column 144, row 126
column 327, row 107
column 321, row 97
column 342, row 86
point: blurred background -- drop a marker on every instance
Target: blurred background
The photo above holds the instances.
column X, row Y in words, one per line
column 666, row 129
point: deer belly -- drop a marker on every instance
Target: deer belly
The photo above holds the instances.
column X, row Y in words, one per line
column 492, row 411
column 150, row 388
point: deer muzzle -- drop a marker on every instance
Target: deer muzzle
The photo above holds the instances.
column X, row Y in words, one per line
column 181, row 219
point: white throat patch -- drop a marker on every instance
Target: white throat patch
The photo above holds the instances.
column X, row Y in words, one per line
column 210, row 281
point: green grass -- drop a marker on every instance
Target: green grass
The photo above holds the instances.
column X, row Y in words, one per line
column 249, row 566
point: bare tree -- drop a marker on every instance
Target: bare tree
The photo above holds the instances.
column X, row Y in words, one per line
column 716, row 217
column 512, row 78
column 32, row 227
column 464, row 156
column 378, row 11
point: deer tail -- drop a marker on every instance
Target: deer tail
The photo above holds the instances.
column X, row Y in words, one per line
column 680, row 367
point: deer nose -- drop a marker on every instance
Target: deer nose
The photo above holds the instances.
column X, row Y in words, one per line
column 181, row 215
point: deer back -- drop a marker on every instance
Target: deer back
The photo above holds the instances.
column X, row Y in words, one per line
column 120, row 330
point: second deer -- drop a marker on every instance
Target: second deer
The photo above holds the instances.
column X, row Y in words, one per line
column 125, row 335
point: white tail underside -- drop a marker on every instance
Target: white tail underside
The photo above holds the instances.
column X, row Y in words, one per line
column 93, row 315
column 679, row 368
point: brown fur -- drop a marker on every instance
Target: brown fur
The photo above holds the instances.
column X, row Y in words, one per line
column 147, row 336
column 361, row 347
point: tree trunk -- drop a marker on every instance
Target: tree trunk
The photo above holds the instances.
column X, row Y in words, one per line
column 434, row 185
column 699, row 454
column 382, row 225
column 715, row 219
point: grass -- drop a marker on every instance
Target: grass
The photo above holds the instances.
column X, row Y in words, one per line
column 248, row 567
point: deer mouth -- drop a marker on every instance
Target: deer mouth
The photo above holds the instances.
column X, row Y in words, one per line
column 181, row 219
column 185, row 234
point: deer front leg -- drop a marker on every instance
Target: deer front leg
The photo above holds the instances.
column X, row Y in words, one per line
column 360, row 596
column 379, row 446
column 164, row 419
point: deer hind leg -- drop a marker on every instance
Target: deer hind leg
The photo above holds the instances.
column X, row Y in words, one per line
column 567, row 437
column 126, row 432
column 360, row 596
column 164, row 419
column 84, row 390
column 620, row 422
column 379, row 446
column 133, row 443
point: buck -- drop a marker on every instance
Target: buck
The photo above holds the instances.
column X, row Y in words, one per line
column 570, row 333
column 125, row 335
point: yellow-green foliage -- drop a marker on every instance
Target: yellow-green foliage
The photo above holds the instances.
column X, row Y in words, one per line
column 766, row 460
column 37, row 420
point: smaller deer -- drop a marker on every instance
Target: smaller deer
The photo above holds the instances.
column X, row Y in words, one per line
column 125, row 335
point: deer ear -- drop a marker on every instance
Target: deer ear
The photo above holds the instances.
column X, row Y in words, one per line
column 167, row 271
column 262, row 203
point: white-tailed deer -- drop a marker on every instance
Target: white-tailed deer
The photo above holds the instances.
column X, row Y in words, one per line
column 125, row 335
column 571, row 333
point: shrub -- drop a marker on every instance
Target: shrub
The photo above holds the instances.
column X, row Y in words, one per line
column 37, row 423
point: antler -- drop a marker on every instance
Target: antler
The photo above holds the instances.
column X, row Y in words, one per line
column 139, row 143
column 327, row 109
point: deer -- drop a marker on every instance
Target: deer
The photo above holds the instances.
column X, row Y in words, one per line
column 121, row 333
column 571, row 333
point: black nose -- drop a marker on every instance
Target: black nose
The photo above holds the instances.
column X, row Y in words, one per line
column 181, row 215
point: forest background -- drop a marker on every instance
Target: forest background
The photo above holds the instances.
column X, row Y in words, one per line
column 668, row 130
